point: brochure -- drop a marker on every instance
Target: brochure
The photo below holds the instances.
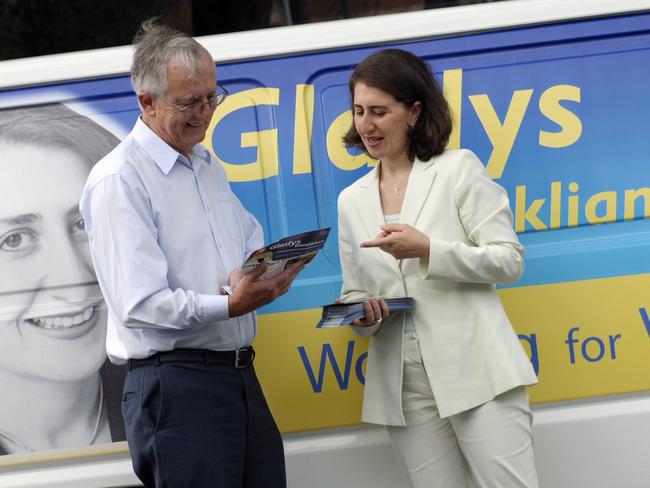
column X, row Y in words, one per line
column 339, row 314
column 278, row 255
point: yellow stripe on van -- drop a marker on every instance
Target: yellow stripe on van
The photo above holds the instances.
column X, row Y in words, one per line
column 313, row 378
column 592, row 337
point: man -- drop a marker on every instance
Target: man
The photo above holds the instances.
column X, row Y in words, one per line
column 166, row 234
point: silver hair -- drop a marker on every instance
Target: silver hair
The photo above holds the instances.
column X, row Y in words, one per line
column 155, row 46
column 56, row 126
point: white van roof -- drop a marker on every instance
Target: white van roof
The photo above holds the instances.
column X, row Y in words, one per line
column 321, row 36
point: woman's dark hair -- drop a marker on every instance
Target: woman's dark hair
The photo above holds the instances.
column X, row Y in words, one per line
column 407, row 79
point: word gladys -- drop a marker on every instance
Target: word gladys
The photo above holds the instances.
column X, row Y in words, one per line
column 280, row 245
column 501, row 133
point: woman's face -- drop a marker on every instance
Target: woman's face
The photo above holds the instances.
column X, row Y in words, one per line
column 52, row 319
column 382, row 122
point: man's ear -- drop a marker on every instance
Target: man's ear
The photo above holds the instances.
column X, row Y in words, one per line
column 146, row 102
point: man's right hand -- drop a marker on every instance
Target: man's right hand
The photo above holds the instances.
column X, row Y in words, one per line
column 251, row 292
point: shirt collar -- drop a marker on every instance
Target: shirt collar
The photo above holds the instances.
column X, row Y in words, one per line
column 162, row 153
column 201, row 153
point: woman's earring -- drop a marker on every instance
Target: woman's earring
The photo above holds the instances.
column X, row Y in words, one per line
column 411, row 125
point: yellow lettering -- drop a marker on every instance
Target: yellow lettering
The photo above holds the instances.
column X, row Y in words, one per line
column 574, row 203
column 598, row 208
column 303, row 129
column 630, row 199
column 571, row 126
column 606, row 197
column 502, row 136
column 452, row 86
column 523, row 214
column 556, row 204
column 266, row 141
column 337, row 151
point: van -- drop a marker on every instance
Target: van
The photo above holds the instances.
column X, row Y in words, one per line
column 552, row 96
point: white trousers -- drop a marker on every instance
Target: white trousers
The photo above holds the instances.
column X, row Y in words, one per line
column 489, row 446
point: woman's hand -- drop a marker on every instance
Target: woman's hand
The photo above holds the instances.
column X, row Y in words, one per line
column 401, row 241
column 375, row 308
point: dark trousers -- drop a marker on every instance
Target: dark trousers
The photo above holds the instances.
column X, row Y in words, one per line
column 201, row 426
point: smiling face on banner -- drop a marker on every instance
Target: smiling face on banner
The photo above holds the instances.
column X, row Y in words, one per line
column 52, row 319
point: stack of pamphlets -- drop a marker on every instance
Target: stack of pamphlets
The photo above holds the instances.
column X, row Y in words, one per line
column 338, row 314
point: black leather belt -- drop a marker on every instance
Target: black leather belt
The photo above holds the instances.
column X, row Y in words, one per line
column 239, row 358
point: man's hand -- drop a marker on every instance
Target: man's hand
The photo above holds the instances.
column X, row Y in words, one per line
column 401, row 241
column 233, row 278
column 250, row 292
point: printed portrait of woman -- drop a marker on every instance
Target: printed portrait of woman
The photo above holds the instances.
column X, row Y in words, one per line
column 57, row 389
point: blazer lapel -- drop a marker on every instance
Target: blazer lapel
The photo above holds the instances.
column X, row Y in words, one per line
column 417, row 192
column 368, row 205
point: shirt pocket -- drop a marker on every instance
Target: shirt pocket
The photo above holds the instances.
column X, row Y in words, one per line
column 229, row 216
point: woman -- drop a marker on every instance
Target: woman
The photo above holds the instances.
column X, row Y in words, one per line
column 52, row 318
column 447, row 379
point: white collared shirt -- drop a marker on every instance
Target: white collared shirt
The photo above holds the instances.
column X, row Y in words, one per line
column 164, row 234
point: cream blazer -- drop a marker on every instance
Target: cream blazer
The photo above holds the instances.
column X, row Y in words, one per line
column 469, row 348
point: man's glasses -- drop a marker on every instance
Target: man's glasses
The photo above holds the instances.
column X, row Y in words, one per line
column 194, row 108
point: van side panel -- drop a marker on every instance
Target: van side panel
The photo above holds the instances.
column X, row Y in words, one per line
column 558, row 113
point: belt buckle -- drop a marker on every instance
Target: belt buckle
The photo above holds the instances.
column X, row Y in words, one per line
column 237, row 365
column 246, row 361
